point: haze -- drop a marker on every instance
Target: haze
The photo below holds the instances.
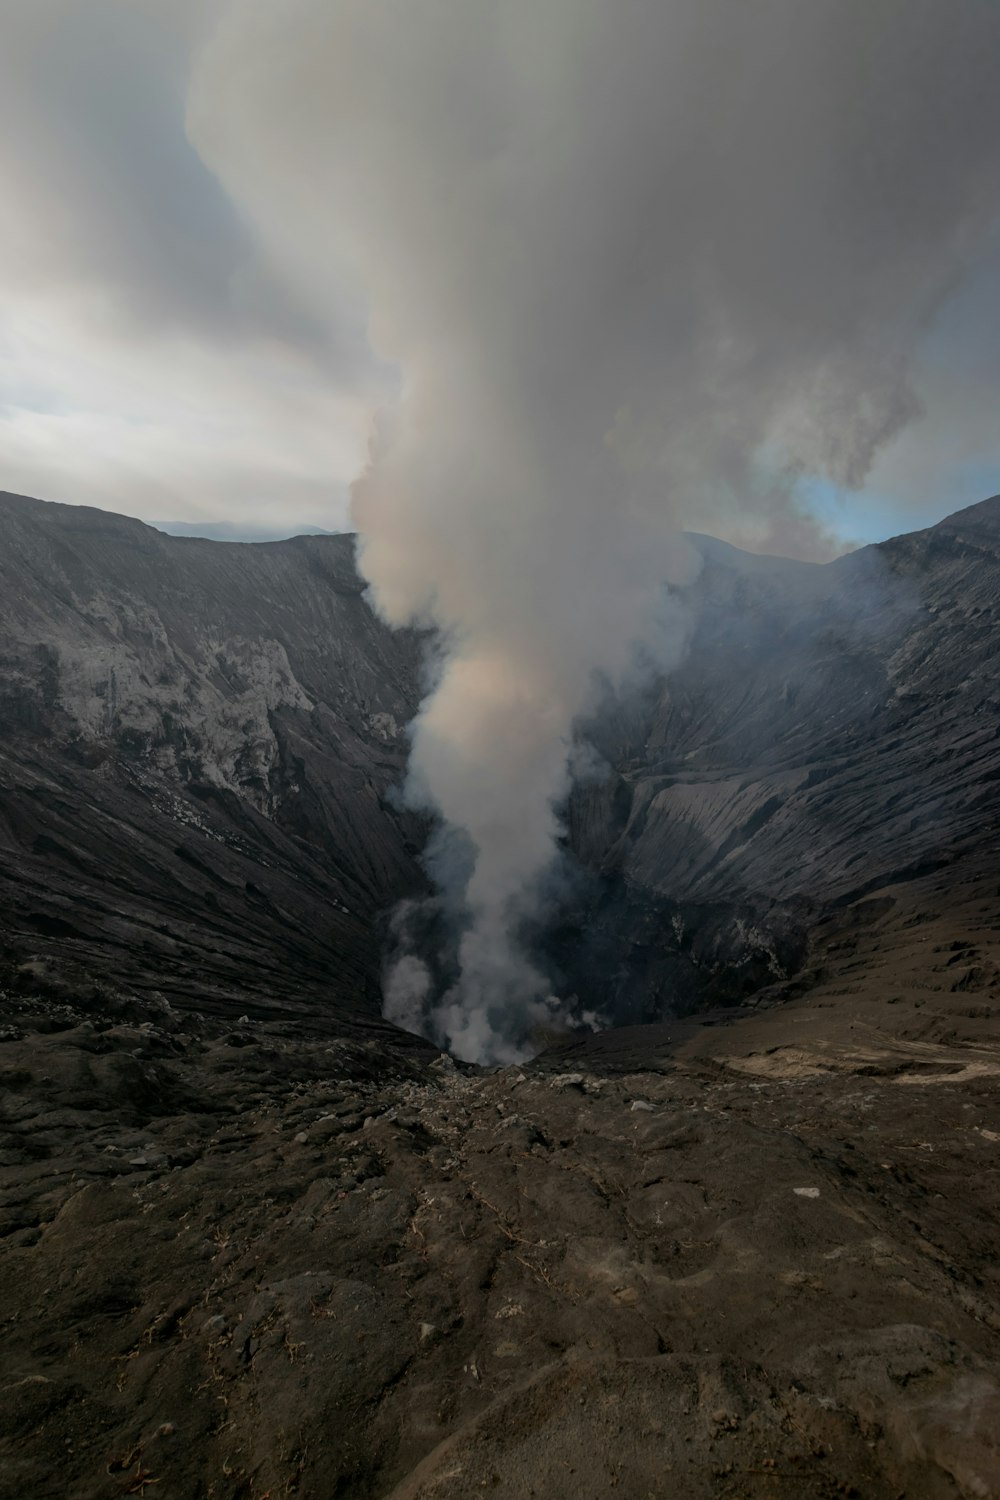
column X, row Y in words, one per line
column 171, row 351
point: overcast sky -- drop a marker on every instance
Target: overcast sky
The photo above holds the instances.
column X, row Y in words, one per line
column 173, row 348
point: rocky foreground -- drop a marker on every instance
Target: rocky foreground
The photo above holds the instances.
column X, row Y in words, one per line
column 754, row 1255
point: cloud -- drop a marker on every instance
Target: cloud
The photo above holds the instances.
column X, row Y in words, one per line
column 184, row 433
column 151, row 357
column 111, row 202
column 122, row 234
column 951, row 456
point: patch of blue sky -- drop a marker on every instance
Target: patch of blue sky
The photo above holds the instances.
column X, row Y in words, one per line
column 858, row 516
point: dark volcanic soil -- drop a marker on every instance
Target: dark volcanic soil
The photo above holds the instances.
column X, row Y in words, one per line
column 751, row 1256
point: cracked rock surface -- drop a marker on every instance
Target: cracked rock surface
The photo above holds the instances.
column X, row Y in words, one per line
column 746, row 1258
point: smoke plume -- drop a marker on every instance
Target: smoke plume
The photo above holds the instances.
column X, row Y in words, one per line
column 640, row 265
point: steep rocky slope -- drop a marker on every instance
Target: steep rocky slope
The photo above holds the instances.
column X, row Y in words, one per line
column 199, row 743
column 832, row 730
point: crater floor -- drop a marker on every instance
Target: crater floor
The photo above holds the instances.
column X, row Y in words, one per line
column 749, row 1255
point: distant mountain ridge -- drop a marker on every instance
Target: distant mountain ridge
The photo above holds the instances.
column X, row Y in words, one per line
column 238, row 531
